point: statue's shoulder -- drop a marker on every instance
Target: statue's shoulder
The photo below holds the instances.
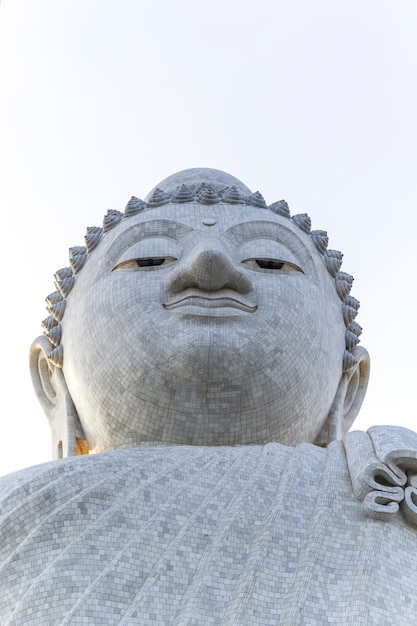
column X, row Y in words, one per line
column 54, row 483
column 62, row 478
column 382, row 464
column 25, row 482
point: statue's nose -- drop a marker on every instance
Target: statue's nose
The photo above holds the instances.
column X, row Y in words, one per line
column 209, row 267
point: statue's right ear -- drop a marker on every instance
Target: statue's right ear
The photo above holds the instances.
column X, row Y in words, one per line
column 52, row 392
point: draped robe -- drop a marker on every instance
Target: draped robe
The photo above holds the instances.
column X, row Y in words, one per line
column 231, row 536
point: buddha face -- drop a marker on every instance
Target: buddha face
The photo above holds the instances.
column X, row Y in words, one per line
column 204, row 325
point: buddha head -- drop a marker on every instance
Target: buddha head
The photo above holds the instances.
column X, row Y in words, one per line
column 200, row 316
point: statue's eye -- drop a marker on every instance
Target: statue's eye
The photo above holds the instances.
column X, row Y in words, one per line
column 270, row 264
column 145, row 263
column 273, row 264
column 151, row 262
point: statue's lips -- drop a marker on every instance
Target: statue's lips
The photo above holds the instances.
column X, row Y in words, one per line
column 211, row 301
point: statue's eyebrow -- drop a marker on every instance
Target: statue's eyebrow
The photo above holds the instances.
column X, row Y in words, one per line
column 153, row 228
column 263, row 229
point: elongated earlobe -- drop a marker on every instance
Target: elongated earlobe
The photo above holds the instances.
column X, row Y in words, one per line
column 51, row 390
column 348, row 399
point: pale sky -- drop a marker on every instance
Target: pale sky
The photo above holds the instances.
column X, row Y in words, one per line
column 311, row 101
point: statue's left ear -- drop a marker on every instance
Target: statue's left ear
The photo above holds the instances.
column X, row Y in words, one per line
column 348, row 399
column 52, row 392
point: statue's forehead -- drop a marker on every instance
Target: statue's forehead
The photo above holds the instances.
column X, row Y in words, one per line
column 234, row 223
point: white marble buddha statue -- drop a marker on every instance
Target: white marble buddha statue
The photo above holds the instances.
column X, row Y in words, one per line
column 200, row 371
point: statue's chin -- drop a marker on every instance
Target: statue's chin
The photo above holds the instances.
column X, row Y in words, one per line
column 207, row 364
column 249, row 411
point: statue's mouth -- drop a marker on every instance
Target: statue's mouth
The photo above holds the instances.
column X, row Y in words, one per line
column 211, row 300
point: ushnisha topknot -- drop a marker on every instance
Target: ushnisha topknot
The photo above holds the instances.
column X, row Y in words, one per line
column 204, row 186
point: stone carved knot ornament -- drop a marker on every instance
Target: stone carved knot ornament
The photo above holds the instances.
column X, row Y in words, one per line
column 200, row 371
column 383, row 470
